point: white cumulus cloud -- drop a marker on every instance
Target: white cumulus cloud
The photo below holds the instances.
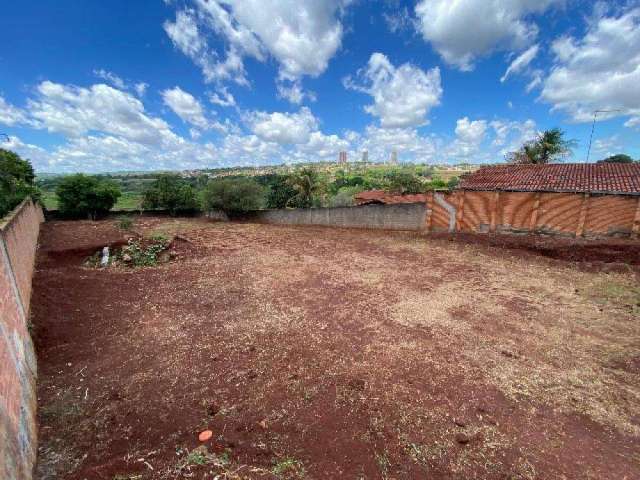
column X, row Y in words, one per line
column 284, row 128
column 185, row 106
column 74, row 111
column 463, row 30
column 510, row 135
column 141, row 88
column 222, row 97
column 301, row 35
column 600, row 71
column 11, row 115
column 469, row 137
column 402, row 96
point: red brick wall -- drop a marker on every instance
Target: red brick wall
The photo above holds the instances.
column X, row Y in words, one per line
column 18, row 243
column 555, row 213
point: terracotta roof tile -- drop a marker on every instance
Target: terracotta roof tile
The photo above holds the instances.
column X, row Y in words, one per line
column 371, row 195
column 618, row 178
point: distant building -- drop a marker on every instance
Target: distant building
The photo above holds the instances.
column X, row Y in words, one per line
column 365, row 156
column 393, row 160
column 343, row 157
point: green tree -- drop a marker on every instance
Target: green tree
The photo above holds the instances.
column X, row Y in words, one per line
column 619, row 158
column 170, row 192
column 308, row 187
column 453, row 182
column 344, row 197
column 234, row 195
column 16, row 181
column 280, row 192
column 547, row 147
column 404, row 182
column 86, row 196
column 343, row 180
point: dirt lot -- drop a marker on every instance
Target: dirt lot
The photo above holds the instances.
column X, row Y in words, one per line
column 324, row 353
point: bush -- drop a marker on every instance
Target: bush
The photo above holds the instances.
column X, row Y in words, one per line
column 143, row 254
column 138, row 252
column 171, row 193
column 86, row 196
column 234, row 195
column 344, row 197
column 16, row 181
column 436, row 184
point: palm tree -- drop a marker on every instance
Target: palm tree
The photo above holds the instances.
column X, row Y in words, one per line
column 306, row 182
column 549, row 146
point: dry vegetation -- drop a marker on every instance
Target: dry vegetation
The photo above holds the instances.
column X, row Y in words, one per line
column 320, row 353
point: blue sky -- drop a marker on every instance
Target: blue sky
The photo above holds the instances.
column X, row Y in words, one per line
column 184, row 84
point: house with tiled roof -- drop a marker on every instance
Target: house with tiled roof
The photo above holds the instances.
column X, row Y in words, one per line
column 593, row 178
column 565, row 199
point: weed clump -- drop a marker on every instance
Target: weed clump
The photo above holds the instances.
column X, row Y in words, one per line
column 141, row 253
column 287, row 468
column 138, row 252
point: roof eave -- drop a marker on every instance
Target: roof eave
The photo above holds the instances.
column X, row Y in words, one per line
column 540, row 190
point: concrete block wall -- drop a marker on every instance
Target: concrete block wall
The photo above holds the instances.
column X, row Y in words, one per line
column 408, row 216
column 18, row 437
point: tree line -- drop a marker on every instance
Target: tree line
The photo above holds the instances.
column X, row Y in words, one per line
column 87, row 196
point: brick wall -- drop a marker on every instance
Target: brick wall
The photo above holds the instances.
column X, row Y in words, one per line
column 18, row 243
column 566, row 214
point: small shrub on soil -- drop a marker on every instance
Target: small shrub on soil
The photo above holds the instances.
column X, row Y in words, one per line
column 198, row 457
column 94, row 260
column 287, row 467
column 140, row 253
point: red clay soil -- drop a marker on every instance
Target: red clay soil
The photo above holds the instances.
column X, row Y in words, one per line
column 296, row 347
column 594, row 253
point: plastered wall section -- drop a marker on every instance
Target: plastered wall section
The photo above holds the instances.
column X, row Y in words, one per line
column 564, row 214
